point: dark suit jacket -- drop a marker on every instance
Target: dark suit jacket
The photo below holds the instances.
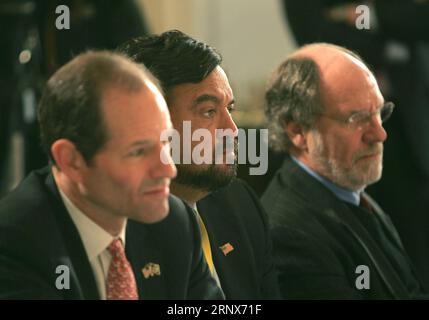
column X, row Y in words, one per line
column 319, row 242
column 37, row 235
column 234, row 215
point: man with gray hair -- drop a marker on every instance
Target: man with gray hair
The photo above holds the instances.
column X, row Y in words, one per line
column 331, row 240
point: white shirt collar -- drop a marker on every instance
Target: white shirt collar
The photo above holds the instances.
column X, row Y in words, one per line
column 95, row 239
column 193, row 205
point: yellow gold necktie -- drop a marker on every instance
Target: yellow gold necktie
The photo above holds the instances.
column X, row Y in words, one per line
column 206, row 243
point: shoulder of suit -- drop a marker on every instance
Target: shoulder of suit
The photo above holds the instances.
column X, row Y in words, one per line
column 29, row 231
column 237, row 188
column 236, row 201
column 180, row 218
column 178, row 208
column 28, row 203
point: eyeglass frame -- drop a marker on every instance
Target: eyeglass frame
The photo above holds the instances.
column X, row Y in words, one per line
column 366, row 116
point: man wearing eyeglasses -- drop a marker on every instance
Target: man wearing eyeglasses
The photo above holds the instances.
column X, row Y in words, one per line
column 331, row 240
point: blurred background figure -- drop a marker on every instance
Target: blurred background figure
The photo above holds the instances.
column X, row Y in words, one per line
column 32, row 50
column 396, row 47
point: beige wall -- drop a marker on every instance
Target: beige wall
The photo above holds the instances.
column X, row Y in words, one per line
column 251, row 35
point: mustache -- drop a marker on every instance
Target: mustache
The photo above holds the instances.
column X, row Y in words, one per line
column 375, row 149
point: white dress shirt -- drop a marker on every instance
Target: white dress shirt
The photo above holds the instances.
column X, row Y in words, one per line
column 95, row 240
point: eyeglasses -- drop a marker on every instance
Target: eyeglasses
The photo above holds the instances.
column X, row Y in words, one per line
column 362, row 120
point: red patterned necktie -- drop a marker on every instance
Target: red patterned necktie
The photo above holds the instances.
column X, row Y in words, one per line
column 121, row 284
column 364, row 203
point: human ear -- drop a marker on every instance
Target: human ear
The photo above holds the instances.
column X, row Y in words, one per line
column 68, row 159
column 296, row 134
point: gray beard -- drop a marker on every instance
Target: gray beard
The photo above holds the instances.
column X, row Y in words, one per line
column 355, row 178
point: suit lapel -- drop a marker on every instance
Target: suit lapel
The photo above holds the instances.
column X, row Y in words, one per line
column 230, row 250
column 392, row 233
column 386, row 222
column 378, row 258
column 146, row 258
column 74, row 280
column 326, row 203
column 80, row 268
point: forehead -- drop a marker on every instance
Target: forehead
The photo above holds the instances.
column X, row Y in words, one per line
column 349, row 86
column 138, row 114
column 216, row 84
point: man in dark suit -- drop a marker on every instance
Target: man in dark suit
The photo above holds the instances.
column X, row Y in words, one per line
column 98, row 223
column 235, row 233
column 331, row 240
column 396, row 46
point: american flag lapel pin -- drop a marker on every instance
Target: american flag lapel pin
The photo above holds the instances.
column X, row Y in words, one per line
column 226, row 248
column 151, row 269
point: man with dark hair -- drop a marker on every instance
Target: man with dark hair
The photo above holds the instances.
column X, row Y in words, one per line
column 99, row 223
column 234, row 228
column 331, row 240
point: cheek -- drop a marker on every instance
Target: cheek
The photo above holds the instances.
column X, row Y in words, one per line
column 123, row 180
column 221, row 136
column 205, row 136
column 339, row 146
column 347, row 149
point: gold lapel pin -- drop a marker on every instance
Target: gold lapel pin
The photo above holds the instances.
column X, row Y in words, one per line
column 226, row 248
column 151, row 269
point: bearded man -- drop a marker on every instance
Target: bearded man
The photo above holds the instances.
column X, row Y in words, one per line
column 234, row 227
column 331, row 240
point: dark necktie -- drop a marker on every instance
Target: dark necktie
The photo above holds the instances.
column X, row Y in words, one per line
column 364, row 203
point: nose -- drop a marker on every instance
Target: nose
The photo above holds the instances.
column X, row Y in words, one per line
column 230, row 124
column 163, row 165
column 375, row 132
